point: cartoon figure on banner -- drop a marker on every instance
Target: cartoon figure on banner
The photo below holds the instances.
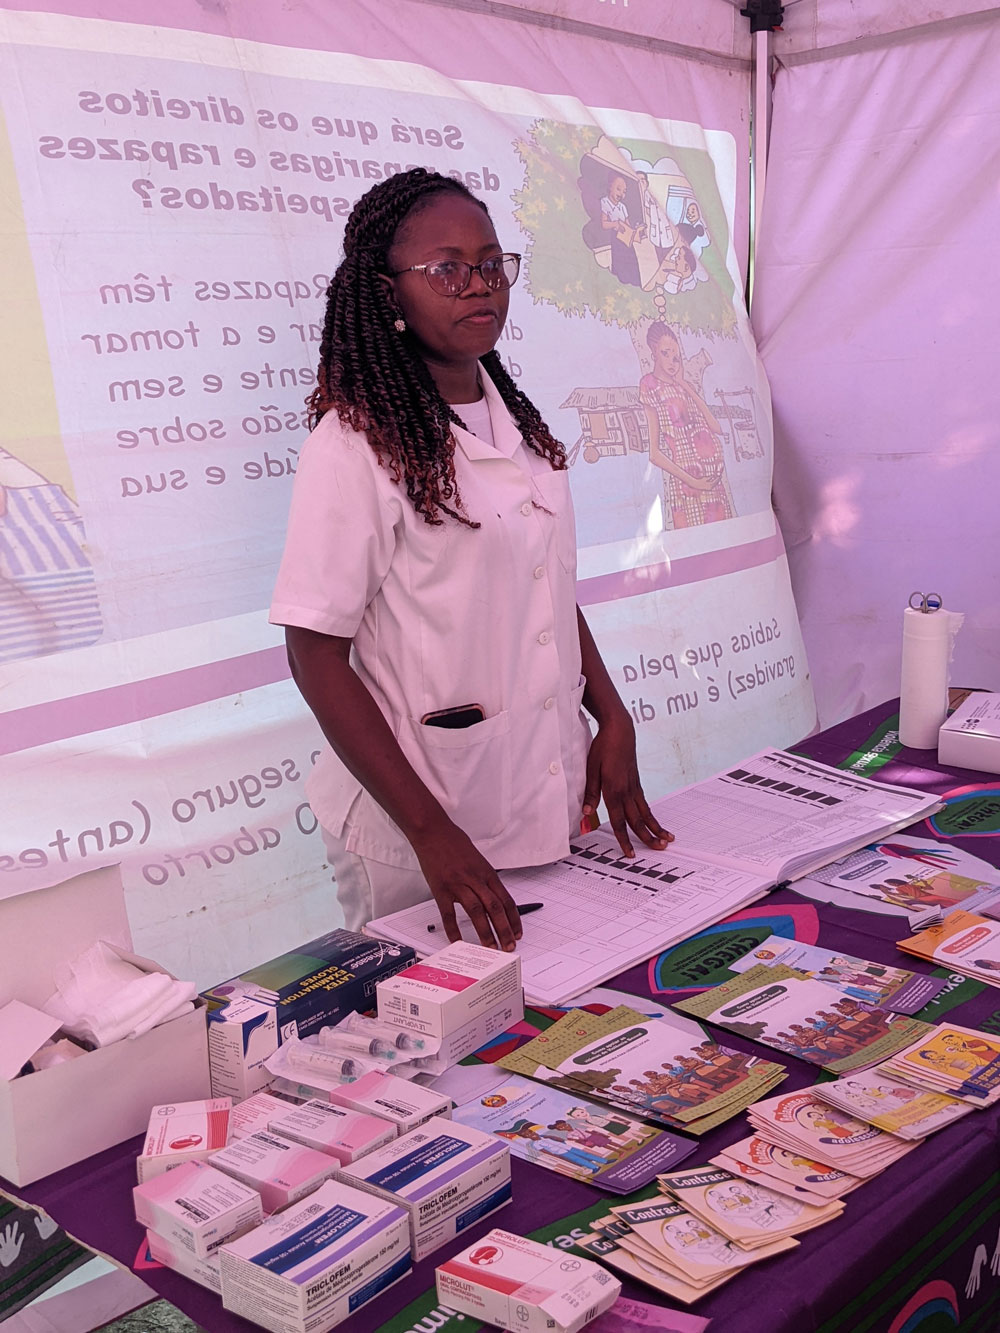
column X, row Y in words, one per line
column 48, row 601
column 685, row 437
column 622, row 236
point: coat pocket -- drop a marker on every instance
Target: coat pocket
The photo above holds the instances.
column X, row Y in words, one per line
column 468, row 769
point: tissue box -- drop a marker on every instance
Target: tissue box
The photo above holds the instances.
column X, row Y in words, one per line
column 518, row 1284
column 58, row 1116
column 970, row 738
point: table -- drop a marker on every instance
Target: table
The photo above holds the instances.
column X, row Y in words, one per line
column 917, row 1248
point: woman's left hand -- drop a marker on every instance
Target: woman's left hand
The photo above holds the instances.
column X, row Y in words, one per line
column 613, row 772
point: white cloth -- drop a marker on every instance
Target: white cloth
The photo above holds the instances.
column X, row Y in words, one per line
column 443, row 616
column 101, row 998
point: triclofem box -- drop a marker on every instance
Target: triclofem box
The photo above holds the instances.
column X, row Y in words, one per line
column 346, row 1135
column 281, row 1171
column 197, row 1206
column 314, row 1264
column 444, row 1174
column 518, row 1284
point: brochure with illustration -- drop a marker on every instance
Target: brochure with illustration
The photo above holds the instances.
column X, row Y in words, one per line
column 886, row 1102
column 575, row 1137
column 786, row 1009
column 803, row 1123
column 646, row 1066
column 750, row 1214
column 962, row 942
column 879, row 984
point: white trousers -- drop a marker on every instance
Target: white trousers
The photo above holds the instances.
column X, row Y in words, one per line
column 367, row 889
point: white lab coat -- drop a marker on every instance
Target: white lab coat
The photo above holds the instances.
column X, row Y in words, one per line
column 443, row 616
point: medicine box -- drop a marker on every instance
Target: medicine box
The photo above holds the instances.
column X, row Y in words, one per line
column 404, row 1104
column 310, row 1267
column 519, row 1284
column 346, row 1135
column 446, row 1175
column 58, row 1116
column 242, row 1033
column 970, row 738
column 279, row 1170
column 450, row 988
column 321, row 982
column 175, row 1256
column 255, row 1113
column 182, row 1132
column 197, row 1206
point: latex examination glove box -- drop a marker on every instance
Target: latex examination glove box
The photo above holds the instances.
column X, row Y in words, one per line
column 55, row 1117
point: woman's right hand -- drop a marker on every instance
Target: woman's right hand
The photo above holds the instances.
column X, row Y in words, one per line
column 458, row 873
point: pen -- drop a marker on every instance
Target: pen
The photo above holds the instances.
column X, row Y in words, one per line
column 522, row 908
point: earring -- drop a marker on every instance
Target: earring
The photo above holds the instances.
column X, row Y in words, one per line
column 400, row 325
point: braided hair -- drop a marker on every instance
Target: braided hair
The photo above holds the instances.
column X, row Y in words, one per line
column 373, row 377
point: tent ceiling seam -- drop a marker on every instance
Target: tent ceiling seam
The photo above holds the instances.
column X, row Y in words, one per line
column 578, row 28
column 879, row 41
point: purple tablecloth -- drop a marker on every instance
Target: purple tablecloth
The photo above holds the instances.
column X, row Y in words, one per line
column 916, row 1248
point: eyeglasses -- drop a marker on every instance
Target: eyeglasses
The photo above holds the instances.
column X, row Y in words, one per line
column 450, row 277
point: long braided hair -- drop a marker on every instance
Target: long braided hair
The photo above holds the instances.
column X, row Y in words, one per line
column 373, row 377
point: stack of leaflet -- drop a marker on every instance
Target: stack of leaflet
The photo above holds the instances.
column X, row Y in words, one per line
column 786, row 1171
column 874, row 1096
column 803, row 1124
column 961, row 1062
column 784, row 1008
column 661, row 1069
column 750, row 1215
column 675, row 1251
column 962, row 942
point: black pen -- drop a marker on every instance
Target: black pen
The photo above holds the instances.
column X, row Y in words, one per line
column 522, row 910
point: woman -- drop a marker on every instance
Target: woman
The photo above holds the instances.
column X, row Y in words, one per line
column 684, row 437
column 429, row 578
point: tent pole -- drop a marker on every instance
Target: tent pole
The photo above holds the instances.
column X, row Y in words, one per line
column 760, row 132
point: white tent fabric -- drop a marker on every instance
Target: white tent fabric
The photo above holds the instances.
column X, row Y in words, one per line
column 877, row 312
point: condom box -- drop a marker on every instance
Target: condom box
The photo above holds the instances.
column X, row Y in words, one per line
column 182, row 1132
column 308, row 1268
column 404, row 1104
column 197, row 1207
column 242, row 1033
column 970, row 738
column 346, row 1135
column 445, row 1175
column 459, row 998
column 54, row 1117
column 278, row 1169
column 518, row 1284
column 321, row 982
column 173, row 1255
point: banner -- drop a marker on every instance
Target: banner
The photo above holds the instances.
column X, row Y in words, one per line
column 175, row 202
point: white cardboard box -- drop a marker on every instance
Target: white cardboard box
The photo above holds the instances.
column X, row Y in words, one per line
column 450, row 989
column 58, row 1116
column 970, row 738
column 309, row 1267
column 241, row 1035
column 515, row 1283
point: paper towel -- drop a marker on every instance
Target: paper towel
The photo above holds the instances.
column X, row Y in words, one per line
column 928, row 642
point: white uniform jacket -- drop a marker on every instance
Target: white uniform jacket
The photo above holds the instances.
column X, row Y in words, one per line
column 442, row 616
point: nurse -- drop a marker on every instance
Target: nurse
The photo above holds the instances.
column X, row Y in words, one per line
column 428, row 584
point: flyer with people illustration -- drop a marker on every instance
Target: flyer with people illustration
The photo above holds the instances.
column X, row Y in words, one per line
column 788, row 1010
column 575, row 1137
column 647, row 1066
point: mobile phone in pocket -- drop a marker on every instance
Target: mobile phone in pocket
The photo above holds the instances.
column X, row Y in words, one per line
column 465, row 715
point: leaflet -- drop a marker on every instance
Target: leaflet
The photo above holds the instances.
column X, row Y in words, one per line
column 748, row 1213
column 889, row 1104
column 574, row 1137
column 962, row 1062
column 894, row 988
column 646, row 1066
column 783, row 1008
column 792, row 1167
column 911, row 873
column 802, row 1123
column 961, row 942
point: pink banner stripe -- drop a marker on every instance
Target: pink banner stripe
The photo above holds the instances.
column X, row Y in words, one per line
column 59, row 719
column 675, row 573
